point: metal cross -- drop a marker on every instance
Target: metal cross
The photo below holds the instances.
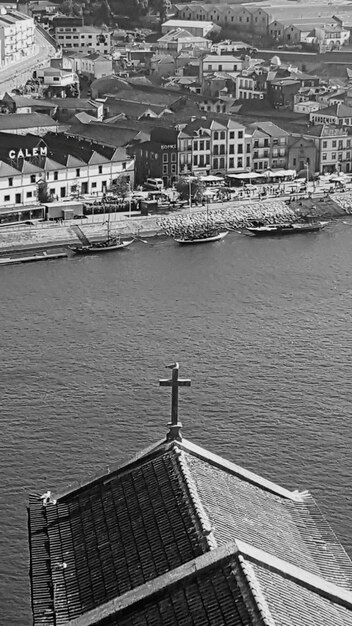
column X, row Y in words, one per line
column 174, row 382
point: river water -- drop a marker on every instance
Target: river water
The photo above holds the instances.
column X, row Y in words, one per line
column 262, row 327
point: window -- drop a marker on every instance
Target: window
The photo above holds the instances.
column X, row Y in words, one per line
column 256, row 144
column 232, row 134
column 10, row 182
column 248, row 149
column 124, row 165
column 207, row 145
column 222, row 149
column 324, row 156
column 78, row 172
column 94, row 185
column 240, row 148
column 56, row 78
column 216, row 150
column 195, row 145
column 325, row 144
column 216, row 135
column 195, row 161
column 29, row 194
column 334, row 144
column 32, row 178
column 201, row 145
column 215, row 164
column 248, row 161
column 231, row 163
column 333, row 156
column 232, row 149
column 239, row 163
column 222, row 134
column 100, row 169
column 173, row 157
column 165, row 169
column 240, row 134
column 56, row 175
column 165, row 158
column 294, row 162
column 173, row 169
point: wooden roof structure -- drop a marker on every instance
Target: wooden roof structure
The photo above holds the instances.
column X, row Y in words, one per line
column 178, row 535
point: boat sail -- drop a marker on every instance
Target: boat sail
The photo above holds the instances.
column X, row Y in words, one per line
column 111, row 243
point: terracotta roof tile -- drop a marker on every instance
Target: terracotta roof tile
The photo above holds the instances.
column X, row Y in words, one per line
column 209, row 597
column 113, row 536
column 292, row 604
column 291, row 530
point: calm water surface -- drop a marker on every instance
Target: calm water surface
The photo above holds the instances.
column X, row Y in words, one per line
column 263, row 328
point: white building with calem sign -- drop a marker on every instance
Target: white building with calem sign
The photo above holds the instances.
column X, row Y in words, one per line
column 65, row 165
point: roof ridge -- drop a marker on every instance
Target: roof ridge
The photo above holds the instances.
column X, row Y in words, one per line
column 313, row 582
column 232, row 468
column 254, row 585
column 206, row 527
column 114, row 469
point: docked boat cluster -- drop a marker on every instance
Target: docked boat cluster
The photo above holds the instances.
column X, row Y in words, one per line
column 231, row 218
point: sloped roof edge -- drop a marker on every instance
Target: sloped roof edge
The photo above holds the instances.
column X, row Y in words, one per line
column 232, row 468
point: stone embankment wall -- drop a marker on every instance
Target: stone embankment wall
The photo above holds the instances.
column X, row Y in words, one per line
column 50, row 235
column 45, row 235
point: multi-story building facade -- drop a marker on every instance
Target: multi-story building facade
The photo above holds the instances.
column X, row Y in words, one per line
column 86, row 39
column 66, row 165
column 251, row 84
column 158, row 158
column 17, row 37
column 334, row 148
column 220, row 63
column 269, row 146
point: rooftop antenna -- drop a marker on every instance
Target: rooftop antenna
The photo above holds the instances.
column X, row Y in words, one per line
column 174, row 382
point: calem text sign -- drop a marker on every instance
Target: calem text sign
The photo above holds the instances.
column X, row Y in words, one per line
column 28, row 153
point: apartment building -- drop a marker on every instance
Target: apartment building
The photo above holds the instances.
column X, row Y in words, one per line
column 17, row 37
column 251, row 84
column 334, row 148
column 269, row 146
column 87, row 39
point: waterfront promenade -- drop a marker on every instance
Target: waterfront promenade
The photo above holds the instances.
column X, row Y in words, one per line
column 231, row 213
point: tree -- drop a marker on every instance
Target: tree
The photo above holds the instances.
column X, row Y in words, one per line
column 195, row 186
column 42, row 191
column 103, row 14
column 121, row 187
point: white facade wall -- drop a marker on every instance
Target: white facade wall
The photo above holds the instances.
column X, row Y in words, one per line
column 17, row 37
column 77, row 39
column 22, row 188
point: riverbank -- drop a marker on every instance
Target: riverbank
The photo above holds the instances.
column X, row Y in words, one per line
column 49, row 235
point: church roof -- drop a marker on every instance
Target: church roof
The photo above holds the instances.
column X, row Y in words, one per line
column 178, row 535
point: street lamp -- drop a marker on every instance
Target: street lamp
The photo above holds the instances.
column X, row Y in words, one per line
column 129, row 199
column 190, row 192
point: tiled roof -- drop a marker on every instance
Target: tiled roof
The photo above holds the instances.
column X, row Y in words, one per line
column 293, row 604
column 114, row 535
column 209, row 597
column 181, row 536
column 12, row 121
column 337, row 110
column 293, row 530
